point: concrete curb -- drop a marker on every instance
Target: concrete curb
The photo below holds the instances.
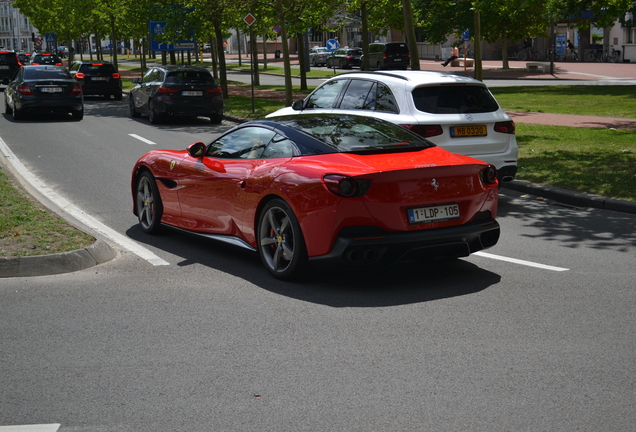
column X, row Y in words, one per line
column 43, row 265
column 578, row 199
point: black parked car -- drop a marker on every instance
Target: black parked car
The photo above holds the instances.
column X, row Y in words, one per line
column 390, row 55
column 9, row 63
column 97, row 78
column 43, row 89
column 345, row 58
column 46, row 59
column 176, row 90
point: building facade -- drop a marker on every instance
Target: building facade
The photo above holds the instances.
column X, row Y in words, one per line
column 16, row 31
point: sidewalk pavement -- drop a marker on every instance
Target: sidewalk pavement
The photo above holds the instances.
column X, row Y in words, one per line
column 101, row 252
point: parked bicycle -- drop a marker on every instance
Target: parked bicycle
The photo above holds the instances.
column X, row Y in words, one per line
column 610, row 55
column 548, row 55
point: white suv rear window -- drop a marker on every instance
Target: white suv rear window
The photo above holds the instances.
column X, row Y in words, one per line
column 454, row 99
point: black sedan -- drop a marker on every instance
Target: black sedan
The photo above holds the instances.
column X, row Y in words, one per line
column 345, row 58
column 43, row 89
column 176, row 90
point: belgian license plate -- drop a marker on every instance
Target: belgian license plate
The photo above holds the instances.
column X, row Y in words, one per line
column 99, row 78
column 4, row 67
column 438, row 213
column 51, row 89
column 192, row 93
column 468, row 131
column 397, row 59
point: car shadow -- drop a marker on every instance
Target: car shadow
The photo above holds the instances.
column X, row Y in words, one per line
column 36, row 118
column 363, row 287
column 569, row 225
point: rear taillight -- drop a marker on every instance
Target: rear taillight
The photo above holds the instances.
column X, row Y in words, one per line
column 489, row 175
column 24, row 90
column 163, row 89
column 77, row 89
column 19, row 63
column 424, row 130
column 346, row 186
column 215, row 90
column 505, row 127
column 80, row 75
column 116, row 75
column 59, row 64
column 34, row 63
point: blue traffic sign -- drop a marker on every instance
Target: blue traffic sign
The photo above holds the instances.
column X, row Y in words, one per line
column 50, row 38
column 332, row 44
column 466, row 36
column 157, row 28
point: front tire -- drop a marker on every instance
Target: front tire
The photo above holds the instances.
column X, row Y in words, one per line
column 7, row 107
column 148, row 203
column 280, row 241
column 17, row 115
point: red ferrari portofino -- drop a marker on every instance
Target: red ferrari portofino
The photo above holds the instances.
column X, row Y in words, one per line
column 333, row 189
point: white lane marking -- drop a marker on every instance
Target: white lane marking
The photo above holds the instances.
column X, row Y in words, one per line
column 521, row 262
column 77, row 213
column 53, row 427
column 147, row 141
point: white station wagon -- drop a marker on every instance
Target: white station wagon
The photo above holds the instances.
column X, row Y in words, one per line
column 455, row 112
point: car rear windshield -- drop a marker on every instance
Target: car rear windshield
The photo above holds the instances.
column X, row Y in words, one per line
column 354, row 134
column 103, row 69
column 46, row 73
column 395, row 48
column 186, row 77
column 459, row 99
column 8, row 58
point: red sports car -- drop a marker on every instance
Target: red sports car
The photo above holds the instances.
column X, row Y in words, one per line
column 340, row 189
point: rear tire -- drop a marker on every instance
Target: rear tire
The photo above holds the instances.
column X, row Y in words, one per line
column 118, row 96
column 148, row 203
column 281, row 244
column 78, row 115
column 133, row 110
column 17, row 115
column 153, row 116
column 216, row 118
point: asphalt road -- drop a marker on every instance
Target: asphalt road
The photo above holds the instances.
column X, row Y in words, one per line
column 537, row 334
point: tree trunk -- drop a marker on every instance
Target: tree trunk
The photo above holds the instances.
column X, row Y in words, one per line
column 283, row 35
column 409, row 29
column 218, row 31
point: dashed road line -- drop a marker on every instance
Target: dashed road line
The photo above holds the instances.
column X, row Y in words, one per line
column 53, row 427
column 140, row 138
column 521, row 262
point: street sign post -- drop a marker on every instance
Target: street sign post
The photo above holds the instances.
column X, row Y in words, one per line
column 333, row 45
column 249, row 20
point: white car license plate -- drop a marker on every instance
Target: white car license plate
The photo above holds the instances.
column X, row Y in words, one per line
column 192, row 93
column 438, row 213
column 51, row 89
column 397, row 59
column 4, row 67
column 99, row 78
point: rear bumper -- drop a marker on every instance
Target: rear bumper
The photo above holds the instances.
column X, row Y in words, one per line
column 188, row 108
column 392, row 247
column 48, row 105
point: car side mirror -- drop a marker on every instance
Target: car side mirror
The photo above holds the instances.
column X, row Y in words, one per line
column 196, row 150
column 135, row 80
column 298, row 105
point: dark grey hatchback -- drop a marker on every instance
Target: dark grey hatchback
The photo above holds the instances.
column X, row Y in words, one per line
column 176, row 91
column 43, row 89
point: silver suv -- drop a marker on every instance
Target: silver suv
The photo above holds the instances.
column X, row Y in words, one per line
column 455, row 112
